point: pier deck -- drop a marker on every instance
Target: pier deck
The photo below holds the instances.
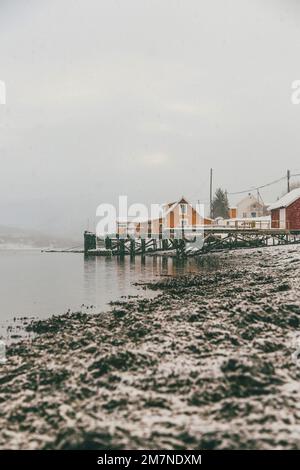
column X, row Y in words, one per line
column 212, row 239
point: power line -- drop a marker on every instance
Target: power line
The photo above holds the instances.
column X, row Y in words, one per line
column 255, row 188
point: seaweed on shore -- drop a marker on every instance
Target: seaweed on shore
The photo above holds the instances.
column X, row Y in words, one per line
column 207, row 363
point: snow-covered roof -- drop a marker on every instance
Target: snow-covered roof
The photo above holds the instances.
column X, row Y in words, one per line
column 247, row 198
column 286, row 200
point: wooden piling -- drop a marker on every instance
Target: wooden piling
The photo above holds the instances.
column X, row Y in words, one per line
column 108, row 243
column 165, row 244
column 89, row 241
column 132, row 248
column 122, row 247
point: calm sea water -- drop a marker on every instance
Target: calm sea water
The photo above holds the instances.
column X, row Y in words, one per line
column 39, row 284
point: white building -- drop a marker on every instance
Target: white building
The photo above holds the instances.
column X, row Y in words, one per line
column 250, row 207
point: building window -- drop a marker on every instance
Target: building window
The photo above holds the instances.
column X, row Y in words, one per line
column 253, row 214
column 183, row 208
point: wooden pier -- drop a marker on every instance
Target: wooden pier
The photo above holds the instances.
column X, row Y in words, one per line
column 213, row 239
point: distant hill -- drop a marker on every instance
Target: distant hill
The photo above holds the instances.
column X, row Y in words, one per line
column 14, row 237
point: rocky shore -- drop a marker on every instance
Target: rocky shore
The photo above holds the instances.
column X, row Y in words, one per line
column 206, row 364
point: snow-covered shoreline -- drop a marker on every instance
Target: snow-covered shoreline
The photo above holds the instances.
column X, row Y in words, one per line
column 205, row 364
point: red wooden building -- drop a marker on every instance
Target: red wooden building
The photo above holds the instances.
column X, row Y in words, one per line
column 285, row 213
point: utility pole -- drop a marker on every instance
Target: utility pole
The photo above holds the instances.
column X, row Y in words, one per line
column 259, row 197
column 288, row 177
column 211, row 193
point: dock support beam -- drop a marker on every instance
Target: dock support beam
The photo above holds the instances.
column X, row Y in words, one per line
column 132, row 248
column 214, row 239
column 108, row 243
column 122, row 247
column 89, row 241
column 165, row 244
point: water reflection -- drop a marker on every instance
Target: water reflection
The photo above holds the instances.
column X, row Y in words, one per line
column 107, row 279
column 53, row 283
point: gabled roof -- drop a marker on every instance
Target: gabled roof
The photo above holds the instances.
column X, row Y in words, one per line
column 252, row 198
column 167, row 208
column 182, row 200
column 286, row 200
column 172, row 205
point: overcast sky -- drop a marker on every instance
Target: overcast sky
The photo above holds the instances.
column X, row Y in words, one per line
column 142, row 97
